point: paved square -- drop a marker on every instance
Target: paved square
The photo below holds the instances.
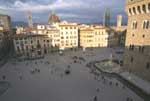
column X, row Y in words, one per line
column 47, row 80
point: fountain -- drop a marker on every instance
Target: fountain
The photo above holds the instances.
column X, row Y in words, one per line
column 110, row 61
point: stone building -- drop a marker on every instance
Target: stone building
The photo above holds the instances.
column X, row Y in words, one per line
column 119, row 20
column 20, row 30
column 87, row 37
column 68, row 34
column 63, row 34
column 5, row 20
column 137, row 54
column 1, row 35
column 52, row 32
column 31, row 46
column 97, row 36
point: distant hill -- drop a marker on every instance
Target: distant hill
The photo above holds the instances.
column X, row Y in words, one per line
column 19, row 23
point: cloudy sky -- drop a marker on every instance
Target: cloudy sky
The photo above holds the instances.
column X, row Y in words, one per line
column 85, row 11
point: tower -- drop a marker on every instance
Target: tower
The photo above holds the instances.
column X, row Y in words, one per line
column 106, row 20
column 119, row 20
column 137, row 53
column 30, row 22
column 5, row 20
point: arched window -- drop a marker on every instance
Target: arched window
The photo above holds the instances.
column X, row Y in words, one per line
column 131, row 59
column 130, row 11
column 147, row 24
column 144, row 24
column 144, row 8
column 149, row 7
column 134, row 25
column 147, row 65
column 134, row 11
column 139, row 9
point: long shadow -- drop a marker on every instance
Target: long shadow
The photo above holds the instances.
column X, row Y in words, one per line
column 4, row 85
column 140, row 92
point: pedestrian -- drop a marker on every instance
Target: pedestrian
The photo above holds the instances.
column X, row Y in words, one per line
column 128, row 99
column 95, row 98
column 38, row 70
column 97, row 90
column 110, row 83
column 20, row 77
column 3, row 77
column 116, row 83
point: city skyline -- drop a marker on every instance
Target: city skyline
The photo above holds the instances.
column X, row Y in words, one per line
column 75, row 11
column 74, row 50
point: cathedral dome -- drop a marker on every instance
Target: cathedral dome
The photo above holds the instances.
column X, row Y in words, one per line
column 53, row 18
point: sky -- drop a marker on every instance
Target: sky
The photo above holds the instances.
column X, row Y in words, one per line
column 84, row 11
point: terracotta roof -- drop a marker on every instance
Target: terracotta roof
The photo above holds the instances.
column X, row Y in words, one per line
column 29, row 35
column 53, row 18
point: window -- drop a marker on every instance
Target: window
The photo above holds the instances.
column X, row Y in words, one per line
column 139, row 9
column 27, row 48
column 22, row 48
column 18, row 49
column 139, row 48
column 130, row 11
column 147, row 65
column 32, row 47
column 47, row 40
column 133, row 35
column 146, row 24
column 143, row 49
column 144, row 8
column 17, row 42
column 131, row 47
column 131, row 59
column 38, row 41
column 134, row 25
column 143, row 36
column 134, row 11
column 149, row 7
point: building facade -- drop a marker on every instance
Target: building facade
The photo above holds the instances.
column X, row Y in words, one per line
column 86, row 37
column 52, row 32
column 1, row 35
column 20, row 30
column 31, row 46
column 119, row 20
column 54, row 35
column 137, row 54
column 5, row 21
column 68, row 34
column 97, row 36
